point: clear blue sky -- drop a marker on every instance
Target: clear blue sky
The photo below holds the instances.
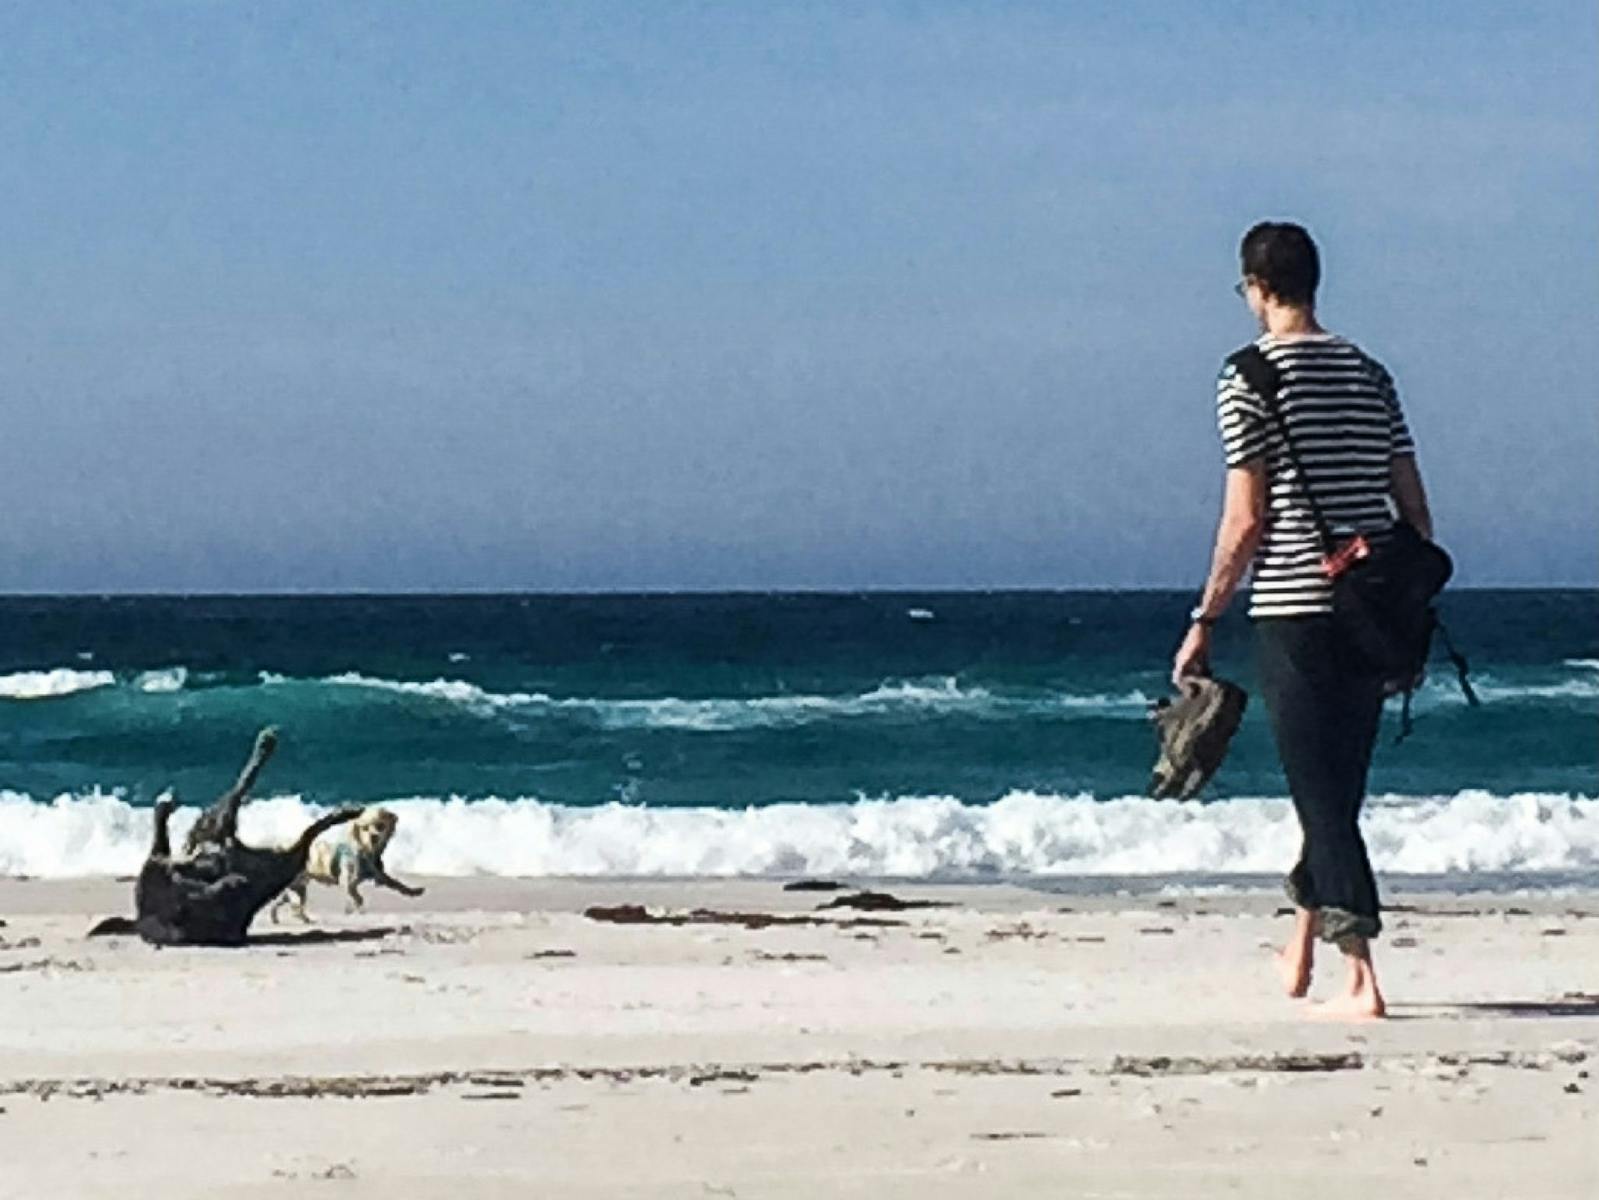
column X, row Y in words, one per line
column 594, row 295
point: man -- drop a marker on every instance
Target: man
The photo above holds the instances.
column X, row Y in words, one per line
column 1348, row 433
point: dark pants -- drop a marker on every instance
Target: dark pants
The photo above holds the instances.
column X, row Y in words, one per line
column 1324, row 713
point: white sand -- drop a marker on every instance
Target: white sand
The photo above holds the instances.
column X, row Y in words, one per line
column 490, row 1040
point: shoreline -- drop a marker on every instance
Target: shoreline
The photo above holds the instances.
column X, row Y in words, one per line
column 39, row 893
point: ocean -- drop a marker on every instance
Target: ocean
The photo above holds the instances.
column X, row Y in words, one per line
column 943, row 735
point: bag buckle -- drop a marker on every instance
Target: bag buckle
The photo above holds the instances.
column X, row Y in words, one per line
column 1353, row 551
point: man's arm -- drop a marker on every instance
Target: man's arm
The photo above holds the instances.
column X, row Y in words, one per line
column 1238, row 534
column 1243, row 521
column 1410, row 496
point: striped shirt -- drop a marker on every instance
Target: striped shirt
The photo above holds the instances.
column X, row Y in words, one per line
column 1347, row 428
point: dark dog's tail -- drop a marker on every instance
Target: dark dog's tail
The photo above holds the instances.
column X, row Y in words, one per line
column 321, row 825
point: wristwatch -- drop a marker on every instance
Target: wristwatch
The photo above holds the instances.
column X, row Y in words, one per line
column 1196, row 616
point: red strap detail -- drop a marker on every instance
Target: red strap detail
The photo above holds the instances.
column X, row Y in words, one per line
column 1346, row 556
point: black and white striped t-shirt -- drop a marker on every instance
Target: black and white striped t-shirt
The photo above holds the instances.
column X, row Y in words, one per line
column 1347, row 427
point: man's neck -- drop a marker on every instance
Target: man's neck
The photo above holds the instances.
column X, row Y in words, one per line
column 1291, row 320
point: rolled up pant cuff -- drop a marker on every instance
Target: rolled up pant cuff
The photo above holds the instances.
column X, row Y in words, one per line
column 1336, row 924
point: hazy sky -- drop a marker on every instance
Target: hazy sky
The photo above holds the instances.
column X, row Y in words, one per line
column 590, row 295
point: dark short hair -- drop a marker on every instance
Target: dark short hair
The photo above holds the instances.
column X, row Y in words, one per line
column 1283, row 257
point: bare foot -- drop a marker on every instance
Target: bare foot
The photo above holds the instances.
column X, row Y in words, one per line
column 1352, row 1006
column 1297, row 959
column 1294, row 970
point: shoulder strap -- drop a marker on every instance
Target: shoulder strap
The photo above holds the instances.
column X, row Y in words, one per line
column 1462, row 667
column 1261, row 375
column 1407, row 723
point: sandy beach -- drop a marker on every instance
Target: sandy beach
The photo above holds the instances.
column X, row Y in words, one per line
column 735, row 1039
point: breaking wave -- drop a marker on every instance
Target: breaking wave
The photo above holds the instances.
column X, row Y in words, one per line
column 61, row 681
column 68, row 681
column 911, row 697
column 1022, row 834
column 1576, row 685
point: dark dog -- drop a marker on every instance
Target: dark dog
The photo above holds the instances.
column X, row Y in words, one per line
column 210, row 897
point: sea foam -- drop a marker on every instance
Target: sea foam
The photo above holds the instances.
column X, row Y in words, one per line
column 914, row 697
column 1577, row 686
column 1021, row 834
column 55, row 682
column 59, row 681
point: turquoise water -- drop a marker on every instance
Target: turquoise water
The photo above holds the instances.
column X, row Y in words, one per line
column 718, row 702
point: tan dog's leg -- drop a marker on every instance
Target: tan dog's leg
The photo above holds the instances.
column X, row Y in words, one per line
column 295, row 894
column 351, row 872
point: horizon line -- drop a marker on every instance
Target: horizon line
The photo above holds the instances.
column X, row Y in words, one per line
column 897, row 590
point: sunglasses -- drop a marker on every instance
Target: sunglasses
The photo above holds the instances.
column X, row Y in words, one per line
column 1240, row 288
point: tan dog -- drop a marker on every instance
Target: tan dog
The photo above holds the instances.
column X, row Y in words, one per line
column 348, row 862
